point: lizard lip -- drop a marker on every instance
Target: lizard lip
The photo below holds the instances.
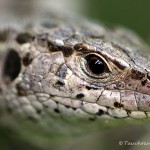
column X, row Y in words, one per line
column 75, row 107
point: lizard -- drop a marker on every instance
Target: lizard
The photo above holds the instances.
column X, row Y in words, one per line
column 73, row 68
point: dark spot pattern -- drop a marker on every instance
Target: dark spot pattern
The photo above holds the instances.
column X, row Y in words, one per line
column 144, row 82
column 100, row 112
column 23, row 38
column 59, row 83
column 136, row 74
column 27, row 59
column 56, row 110
column 53, row 46
column 66, row 50
column 12, row 65
column 67, row 106
column 90, row 87
column 128, row 111
column 118, row 105
column 81, row 95
column 38, row 111
column 74, row 108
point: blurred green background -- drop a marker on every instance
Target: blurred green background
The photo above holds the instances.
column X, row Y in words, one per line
column 134, row 14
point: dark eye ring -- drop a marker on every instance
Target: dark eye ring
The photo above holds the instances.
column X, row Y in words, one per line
column 96, row 65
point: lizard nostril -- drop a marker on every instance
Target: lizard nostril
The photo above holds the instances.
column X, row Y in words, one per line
column 148, row 75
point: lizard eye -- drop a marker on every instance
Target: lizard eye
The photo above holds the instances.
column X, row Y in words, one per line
column 96, row 65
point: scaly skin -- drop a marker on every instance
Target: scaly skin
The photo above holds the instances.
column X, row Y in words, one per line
column 52, row 73
column 49, row 94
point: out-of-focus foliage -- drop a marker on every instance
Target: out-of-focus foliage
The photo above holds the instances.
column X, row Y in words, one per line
column 134, row 14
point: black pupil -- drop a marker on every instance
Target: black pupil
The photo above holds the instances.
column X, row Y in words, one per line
column 95, row 64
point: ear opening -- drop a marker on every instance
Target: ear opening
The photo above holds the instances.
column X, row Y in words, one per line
column 11, row 66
